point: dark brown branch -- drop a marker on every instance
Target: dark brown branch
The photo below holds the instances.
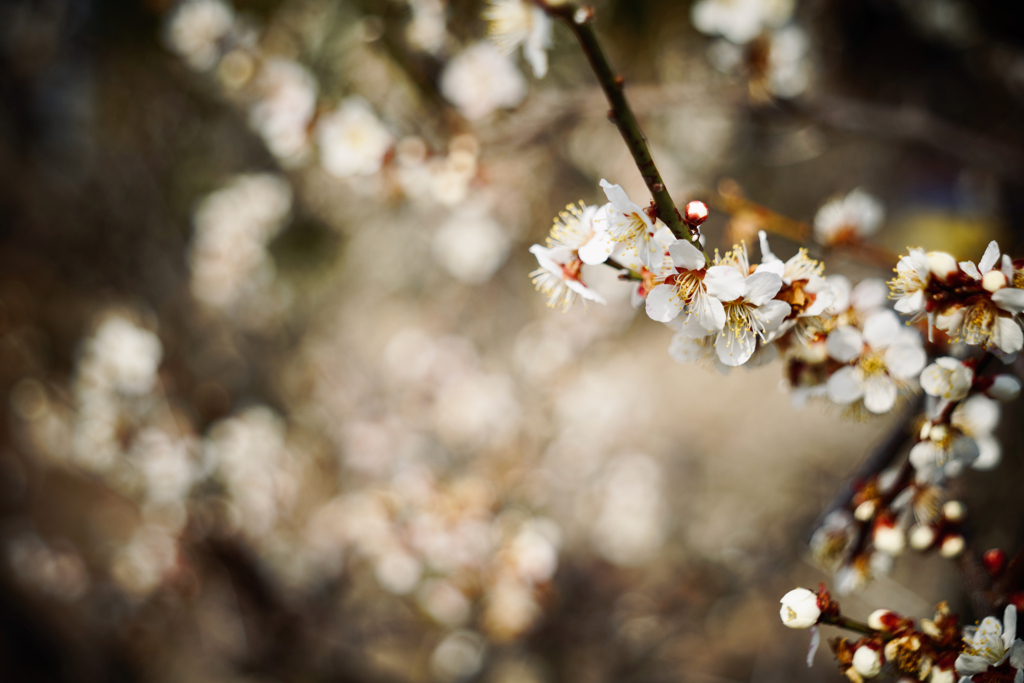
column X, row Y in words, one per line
column 621, row 114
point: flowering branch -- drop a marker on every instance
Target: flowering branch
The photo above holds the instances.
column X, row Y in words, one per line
column 579, row 19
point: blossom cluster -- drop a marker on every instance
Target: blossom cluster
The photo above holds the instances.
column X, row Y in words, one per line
column 936, row 650
column 837, row 342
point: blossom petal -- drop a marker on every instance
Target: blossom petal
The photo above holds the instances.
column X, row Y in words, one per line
column 776, row 267
column 772, row 314
column 664, row 303
column 879, row 394
column 991, row 257
column 1009, row 299
column 735, row 348
column 685, row 255
column 584, row 291
column 766, row 253
column 685, row 349
column 971, row 269
column 844, row 343
column 923, row 455
column 840, row 285
column 971, row 664
column 618, row 197
column 759, row 288
column 724, row 283
column 912, row 304
column 904, row 361
column 709, row 311
column 1010, row 614
column 813, row 648
column 597, row 249
column 881, row 329
column 535, row 47
column 1007, row 335
column 869, row 294
column 1017, row 654
column 844, row 386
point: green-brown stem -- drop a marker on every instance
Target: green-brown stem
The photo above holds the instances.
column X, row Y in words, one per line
column 578, row 20
column 849, row 624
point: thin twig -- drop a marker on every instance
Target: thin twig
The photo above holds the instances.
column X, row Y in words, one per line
column 621, row 114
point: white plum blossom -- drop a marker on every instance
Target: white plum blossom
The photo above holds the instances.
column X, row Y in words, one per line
column 471, row 245
column 739, row 21
column 693, row 285
column 848, row 219
column 196, row 30
column 913, row 274
column 754, row 314
column 751, row 316
column 480, row 80
column 947, row 378
column 810, row 293
column 943, row 452
column 854, row 304
column 991, row 272
column 690, row 345
column 352, row 140
column 789, row 69
column 511, row 23
column 883, row 358
column 832, row 538
column 558, row 277
column 800, row 608
column 983, row 320
column 233, row 227
column 287, row 101
column 584, row 229
column 991, row 643
column 633, row 226
column 977, row 418
column 122, row 355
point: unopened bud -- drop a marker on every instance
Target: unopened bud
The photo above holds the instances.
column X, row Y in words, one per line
column 941, row 264
column 800, row 608
column 890, row 539
column 1004, row 388
column 695, row 213
column 922, row 537
column 994, row 561
column 879, row 617
column 865, row 511
column 952, row 546
column 993, row 280
column 954, row 511
column 926, row 430
column 867, row 661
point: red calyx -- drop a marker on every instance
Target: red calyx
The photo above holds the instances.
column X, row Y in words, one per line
column 994, row 561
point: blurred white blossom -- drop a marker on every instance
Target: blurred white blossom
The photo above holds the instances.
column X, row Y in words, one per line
column 480, row 80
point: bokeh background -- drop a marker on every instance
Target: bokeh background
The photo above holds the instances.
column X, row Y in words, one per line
column 275, row 411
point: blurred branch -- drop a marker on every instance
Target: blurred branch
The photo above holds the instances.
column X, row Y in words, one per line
column 421, row 69
column 579, row 19
column 911, row 123
column 882, row 456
